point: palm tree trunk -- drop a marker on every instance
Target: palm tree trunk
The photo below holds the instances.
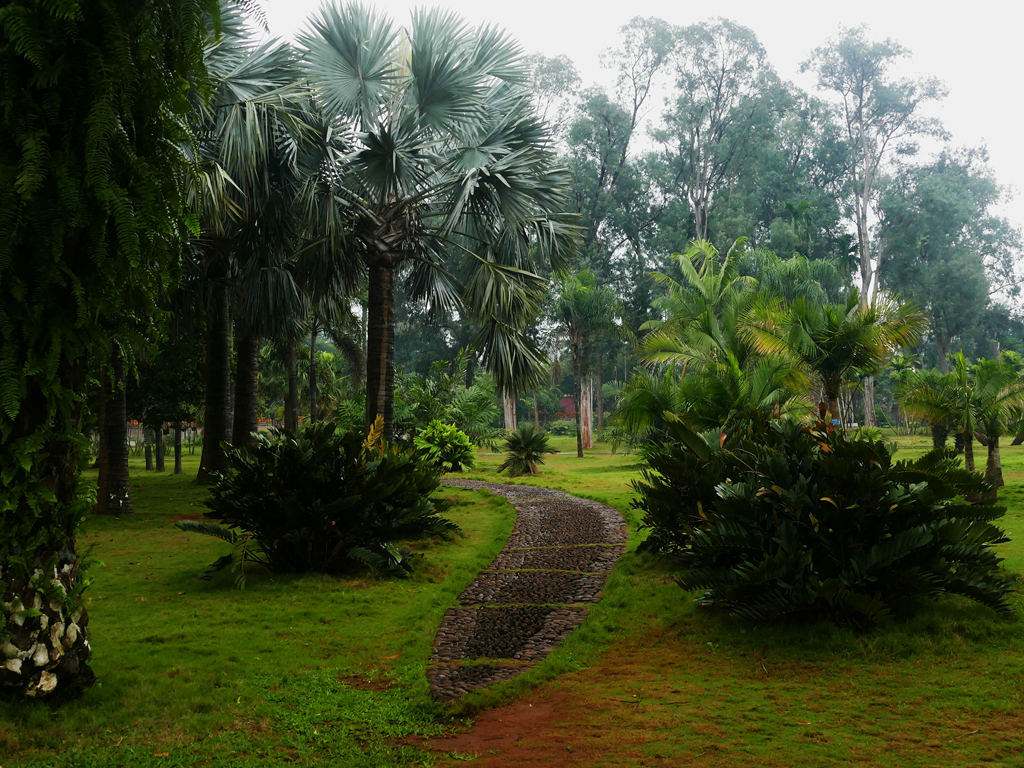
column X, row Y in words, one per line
column 112, row 496
column 312, row 369
column 218, row 384
column 159, row 445
column 994, row 465
column 508, row 402
column 147, row 443
column 939, row 435
column 599, row 395
column 291, row 403
column 536, row 412
column 380, row 345
column 247, row 350
column 177, row 447
column 577, row 397
column 968, row 439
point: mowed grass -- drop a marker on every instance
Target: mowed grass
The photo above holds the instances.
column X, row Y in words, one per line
column 322, row 671
column 650, row 680
column 290, row 670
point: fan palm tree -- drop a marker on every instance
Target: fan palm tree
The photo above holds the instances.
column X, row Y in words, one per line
column 835, row 342
column 450, row 179
column 584, row 310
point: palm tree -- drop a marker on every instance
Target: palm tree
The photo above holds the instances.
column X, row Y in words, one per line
column 836, row 342
column 450, row 179
column 584, row 310
column 979, row 401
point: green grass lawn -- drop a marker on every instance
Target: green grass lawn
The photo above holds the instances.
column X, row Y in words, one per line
column 321, row 671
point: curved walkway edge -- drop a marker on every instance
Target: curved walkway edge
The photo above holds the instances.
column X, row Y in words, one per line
column 554, row 564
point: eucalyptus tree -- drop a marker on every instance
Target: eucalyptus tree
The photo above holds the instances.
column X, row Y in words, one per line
column 882, row 118
column 716, row 112
column 944, row 245
column 584, row 310
column 92, row 178
column 450, row 179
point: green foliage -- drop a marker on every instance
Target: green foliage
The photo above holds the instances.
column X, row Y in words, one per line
column 325, row 501
column 524, row 451
column 792, row 521
column 92, row 174
column 562, row 427
column 445, row 446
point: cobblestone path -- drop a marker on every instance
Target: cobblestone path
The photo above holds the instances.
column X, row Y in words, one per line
column 535, row 593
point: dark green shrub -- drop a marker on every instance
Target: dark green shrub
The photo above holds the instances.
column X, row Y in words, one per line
column 562, row 428
column 524, row 450
column 323, row 501
column 797, row 521
column 445, row 446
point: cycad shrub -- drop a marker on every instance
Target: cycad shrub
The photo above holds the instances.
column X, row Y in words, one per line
column 323, row 501
column 821, row 524
column 524, row 450
column 445, row 446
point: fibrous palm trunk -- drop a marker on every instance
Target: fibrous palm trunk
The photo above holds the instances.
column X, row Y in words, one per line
column 112, row 492
column 247, row 349
column 599, row 396
column 939, row 435
column 577, row 399
column 994, row 465
column 380, row 344
column 968, row 443
column 218, row 384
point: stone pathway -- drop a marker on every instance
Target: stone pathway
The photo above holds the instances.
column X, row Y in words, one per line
column 535, row 592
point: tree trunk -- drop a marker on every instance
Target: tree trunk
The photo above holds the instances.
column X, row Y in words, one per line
column 147, row 442
column 939, row 435
column 312, row 370
column 587, row 415
column 291, row 403
column 247, row 352
column 218, row 384
column 869, row 401
column 994, row 465
column 112, row 497
column 177, row 447
column 968, row 439
column 380, row 345
column 577, row 399
column 599, row 394
column 536, row 412
column 508, row 402
column 160, row 467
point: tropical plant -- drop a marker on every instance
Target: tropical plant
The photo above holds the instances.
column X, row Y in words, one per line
column 524, row 451
column 445, row 446
column 821, row 523
column 323, row 501
column 92, row 171
column 835, row 342
column 450, row 179
column 585, row 311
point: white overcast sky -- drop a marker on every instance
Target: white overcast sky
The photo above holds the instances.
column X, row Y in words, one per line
column 974, row 47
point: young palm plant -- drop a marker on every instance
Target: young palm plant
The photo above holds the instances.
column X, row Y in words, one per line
column 835, row 342
column 450, row 179
column 524, row 451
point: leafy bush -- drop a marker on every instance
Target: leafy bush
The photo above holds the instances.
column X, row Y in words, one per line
column 524, row 450
column 562, row 427
column 797, row 521
column 445, row 446
column 323, row 501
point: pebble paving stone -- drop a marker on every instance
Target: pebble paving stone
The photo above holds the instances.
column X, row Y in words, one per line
column 535, row 592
